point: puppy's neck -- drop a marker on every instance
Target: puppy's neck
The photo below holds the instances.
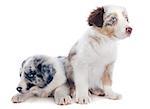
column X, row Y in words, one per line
column 103, row 34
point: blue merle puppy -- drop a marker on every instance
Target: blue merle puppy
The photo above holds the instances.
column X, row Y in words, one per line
column 43, row 76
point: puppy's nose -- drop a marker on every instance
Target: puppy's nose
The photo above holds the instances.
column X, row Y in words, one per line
column 128, row 30
column 19, row 89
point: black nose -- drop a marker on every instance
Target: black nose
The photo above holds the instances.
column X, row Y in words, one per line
column 19, row 89
column 129, row 30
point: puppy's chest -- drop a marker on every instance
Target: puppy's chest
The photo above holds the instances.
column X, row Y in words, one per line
column 105, row 53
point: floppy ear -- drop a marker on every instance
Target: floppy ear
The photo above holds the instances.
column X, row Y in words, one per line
column 96, row 17
column 38, row 60
column 48, row 72
column 46, row 68
column 52, row 69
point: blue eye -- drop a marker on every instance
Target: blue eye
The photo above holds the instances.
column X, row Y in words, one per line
column 30, row 75
column 114, row 19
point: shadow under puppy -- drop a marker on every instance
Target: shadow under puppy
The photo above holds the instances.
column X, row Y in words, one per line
column 43, row 76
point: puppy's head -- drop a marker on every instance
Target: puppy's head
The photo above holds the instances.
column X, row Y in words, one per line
column 111, row 21
column 35, row 71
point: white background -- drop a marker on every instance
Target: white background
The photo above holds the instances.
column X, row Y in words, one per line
column 51, row 27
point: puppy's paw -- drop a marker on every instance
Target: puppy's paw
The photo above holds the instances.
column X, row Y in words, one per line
column 113, row 96
column 83, row 100
column 18, row 98
column 98, row 92
column 63, row 100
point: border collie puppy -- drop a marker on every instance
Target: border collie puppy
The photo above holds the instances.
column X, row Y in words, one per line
column 43, row 76
column 91, row 60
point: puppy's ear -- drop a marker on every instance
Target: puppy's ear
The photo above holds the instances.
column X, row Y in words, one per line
column 38, row 61
column 96, row 17
column 23, row 63
column 47, row 71
column 46, row 68
column 52, row 69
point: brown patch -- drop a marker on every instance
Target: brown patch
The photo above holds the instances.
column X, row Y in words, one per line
column 106, row 79
column 71, row 55
column 109, row 31
column 69, row 70
column 69, row 75
column 97, row 91
column 96, row 17
column 72, row 87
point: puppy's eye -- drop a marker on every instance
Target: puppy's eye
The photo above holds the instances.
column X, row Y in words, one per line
column 113, row 19
column 127, row 19
column 30, row 75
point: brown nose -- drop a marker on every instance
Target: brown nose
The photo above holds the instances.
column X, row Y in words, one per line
column 128, row 30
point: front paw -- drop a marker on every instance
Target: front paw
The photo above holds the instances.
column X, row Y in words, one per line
column 113, row 96
column 63, row 100
column 83, row 100
column 18, row 98
column 97, row 91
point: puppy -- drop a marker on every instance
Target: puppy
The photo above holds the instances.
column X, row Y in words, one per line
column 91, row 60
column 43, row 76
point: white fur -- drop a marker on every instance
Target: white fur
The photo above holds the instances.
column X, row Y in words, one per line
column 58, row 85
column 90, row 61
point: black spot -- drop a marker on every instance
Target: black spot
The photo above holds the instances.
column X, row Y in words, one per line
column 49, row 69
column 40, row 76
column 32, row 72
column 38, row 59
column 29, row 85
column 49, row 79
column 45, row 69
column 39, row 67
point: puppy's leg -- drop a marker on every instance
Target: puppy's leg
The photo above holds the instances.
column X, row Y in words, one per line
column 61, row 95
column 81, row 83
column 18, row 98
column 56, row 82
column 107, row 83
